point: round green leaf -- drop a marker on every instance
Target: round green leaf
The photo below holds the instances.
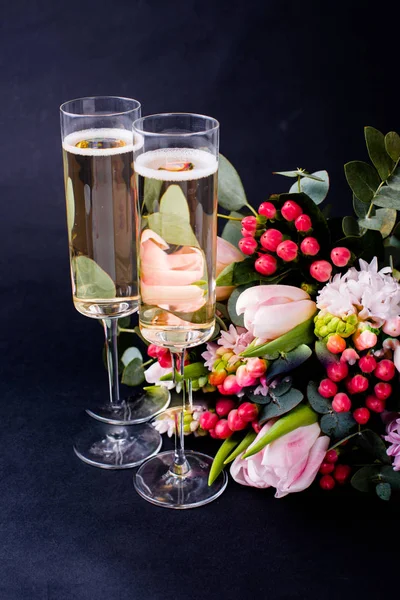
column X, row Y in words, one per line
column 174, row 202
column 320, row 404
column 377, row 152
column 337, row 425
column 316, row 190
column 133, row 374
column 90, row 280
column 231, row 194
column 130, row 354
column 363, row 179
column 383, row 220
column 383, row 491
column 280, row 405
column 392, row 145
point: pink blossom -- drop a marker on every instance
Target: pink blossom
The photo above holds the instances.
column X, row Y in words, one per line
column 392, row 326
column 236, row 339
column 154, row 373
column 393, row 437
column 289, row 464
column 210, row 355
column 262, row 389
column 244, row 378
column 365, row 340
column 349, row 356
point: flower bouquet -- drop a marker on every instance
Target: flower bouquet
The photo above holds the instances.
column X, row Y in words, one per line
column 300, row 380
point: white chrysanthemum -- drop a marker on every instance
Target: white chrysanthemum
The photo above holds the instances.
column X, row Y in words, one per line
column 371, row 294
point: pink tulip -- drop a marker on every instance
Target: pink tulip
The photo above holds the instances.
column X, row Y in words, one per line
column 167, row 279
column 272, row 310
column 154, row 373
column 244, row 378
column 227, row 254
column 392, row 326
column 289, row 464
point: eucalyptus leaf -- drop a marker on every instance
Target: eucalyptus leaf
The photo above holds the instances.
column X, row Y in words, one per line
column 220, row 307
column 90, row 280
column 337, row 425
column 124, row 321
column 366, row 478
column 289, row 362
column 280, row 405
column 280, row 387
column 392, row 145
column 231, row 194
column 383, row 220
column 320, row 404
column 151, row 193
column 363, row 179
column 226, row 276
column 316, row 190
column 133, row 374
column 298, row 173
column 372, row 443
column 360, row 208
column 325, row 357
column 258, row 398
column 232, row 231
column 388, row 197
column 130, row 354
column 384, row 491
column 172, row 229
column 350, row 226
column 174, row 202
column 287, row 173
column 377, row 152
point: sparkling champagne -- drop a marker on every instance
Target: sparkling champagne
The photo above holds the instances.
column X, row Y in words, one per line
column 102, row 221
column 177, row 193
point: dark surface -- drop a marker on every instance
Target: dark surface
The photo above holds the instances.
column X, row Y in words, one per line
column 293, row 85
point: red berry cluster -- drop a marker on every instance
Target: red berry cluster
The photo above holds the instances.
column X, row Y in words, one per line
column 332, row 472
column 366, row 386
column 227, row 418
column 275, row 244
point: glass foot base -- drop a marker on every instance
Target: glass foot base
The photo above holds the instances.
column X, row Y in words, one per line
column 137, row 408
column 112, row 447
column 156, row 484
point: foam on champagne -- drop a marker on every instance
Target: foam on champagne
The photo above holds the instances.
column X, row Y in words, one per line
column 130, row 144
column 148, row 164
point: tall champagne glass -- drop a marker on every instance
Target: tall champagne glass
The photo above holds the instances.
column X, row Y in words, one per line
column 98, row 153
column 176, row 170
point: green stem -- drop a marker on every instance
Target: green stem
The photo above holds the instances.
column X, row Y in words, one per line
column 367, row 216
column 255, row 213
column 229, row 218
column 124, row 330
column 299, row 183
column 147, row 362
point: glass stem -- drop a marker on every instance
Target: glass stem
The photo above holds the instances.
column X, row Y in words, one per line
column 110, row 332
column 180, row 466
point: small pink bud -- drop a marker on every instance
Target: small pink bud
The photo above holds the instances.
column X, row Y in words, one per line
column 235, row 422
column 337, row 371
column 271, row 239
column 382, row 390
column 249, row 223
column 248, row 245
column 367, row 363
column 358, row 384
column 385, row 370
column 340, row 256
column 266, row 264
column 303, row 223
column 375, row 404
column 247, row 234
column 248, row 411
column 336, row 344
column 243, row 377
column 349, row 356
column 208, row 420
column 256, row 367
column 327, row 388
column 291, row 210
column 341, row 402
column 223, row 406
column 222, row 430
column 392, row 326
column 267, row 209
column 231, row 386
column 365, row 339
column 287, row 250
column 310, row 246
column 321, row 270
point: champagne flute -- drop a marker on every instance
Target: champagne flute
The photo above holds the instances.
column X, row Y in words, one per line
column 98, row 153
column 176, row 169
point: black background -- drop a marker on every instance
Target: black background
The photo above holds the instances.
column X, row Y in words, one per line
column 293, row 84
